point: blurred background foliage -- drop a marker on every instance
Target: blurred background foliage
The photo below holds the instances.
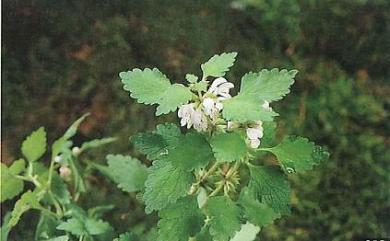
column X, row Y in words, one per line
column 61, row 59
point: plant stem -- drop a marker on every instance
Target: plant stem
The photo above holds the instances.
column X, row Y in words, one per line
column 216, row 191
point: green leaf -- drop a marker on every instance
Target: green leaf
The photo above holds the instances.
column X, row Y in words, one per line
column 180, row 221
column 98, row 211
column 73, row 226
column 200, row 86
column 96, row 227
column 248, row 232
column 244, row 108
column 17, row 167
column 126, row 237
column 224, row 217
column 127, row 172
column 46, row 227
column 268, row 85
column 60, row 189
column 4, row 229
column 193, row 152
column 269, row 131
column 96, row 143
column 269, row 185
column 10, row 186
column 59, row 238
column 297, row 154
column 156, row 144
column 228, row 147
column 26, row 202
column 85, row 226
column 260, row 214
column 191, row 78
column 218, row 65
column 165, row 185
column 72, row 130
column 152, row 87
column 34, row 146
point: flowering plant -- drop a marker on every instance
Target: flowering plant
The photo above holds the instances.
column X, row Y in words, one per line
column 212, row 182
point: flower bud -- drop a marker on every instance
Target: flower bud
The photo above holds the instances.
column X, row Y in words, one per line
column 76, row 151
column 65, row 173
column 57, row 159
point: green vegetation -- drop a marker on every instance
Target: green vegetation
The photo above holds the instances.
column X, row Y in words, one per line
column 62, row 59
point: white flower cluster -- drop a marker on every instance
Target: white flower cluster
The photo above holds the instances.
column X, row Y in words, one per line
column 255, row 133
column 200, row 115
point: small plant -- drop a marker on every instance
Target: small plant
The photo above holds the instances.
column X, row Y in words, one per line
column 225, row 179
column 213, row 182
column 56, row 189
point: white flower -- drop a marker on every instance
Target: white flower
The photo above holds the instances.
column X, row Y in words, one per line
column 266, row 106
column 254, row 134
column 220, row 88
column 185, row 113
column 212, row 107
column 192, row 117
column 199, row 120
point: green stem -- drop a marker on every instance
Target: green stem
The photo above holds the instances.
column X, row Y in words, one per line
column 216, row 191
column 51, row 169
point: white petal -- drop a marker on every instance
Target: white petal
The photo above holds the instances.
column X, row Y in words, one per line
column 253, row 133
column 266, row 105
column 255, row 143
column 216, row 83
column 219, row 106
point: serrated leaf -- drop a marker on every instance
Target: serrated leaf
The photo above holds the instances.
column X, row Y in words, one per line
column 150, row 86
column 34, row 146
column 17, row 167
column 228, row 147
column 298, row 154
column 268, row 85
column 269, row 131
column 27, row 201
column 157, row 143
column 191, row 78
column 224, row 217
column 180, row 221
column 260, row 214
column 165, row 185
column 244, row 108
column 192, row 152
column 248, row 232
column 96, row 143
column 10, row 186
column 269, row 185
column 127, row 172
column 200, row 86
column 218, row 65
